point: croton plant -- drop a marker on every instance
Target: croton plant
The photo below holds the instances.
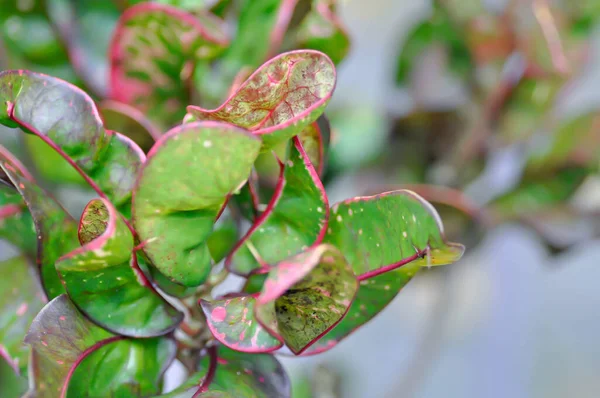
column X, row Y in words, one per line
column 100, row 302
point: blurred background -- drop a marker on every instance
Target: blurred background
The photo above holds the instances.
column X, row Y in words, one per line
column 488, row 109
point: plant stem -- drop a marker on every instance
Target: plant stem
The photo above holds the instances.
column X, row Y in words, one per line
column 210, row 374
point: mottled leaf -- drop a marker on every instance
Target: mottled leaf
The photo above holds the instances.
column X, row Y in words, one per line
column 130, row 122
column 67, row 347
column 306, row 296
column 232, row 322
column 280, row 98
column 295, row 218
column 238, row 375
column 104, row 284
column 386, row 239
column 181, row 189
column 21, row 298
column 315, row 140
column 66, row 117
column 56, row 230
column 323, row 30
column 152, row 58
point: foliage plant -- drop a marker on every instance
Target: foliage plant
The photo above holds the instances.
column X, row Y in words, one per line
column 99, row 302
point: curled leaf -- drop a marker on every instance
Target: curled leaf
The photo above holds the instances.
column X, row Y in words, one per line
column 386, row 238
column 181, row 189
column 104, row 283
column 232, row 322
column 295, row 218
column 68, row 120
column 56, row 230
column 153, row 55
column 280, row 98
column 67, row 348
column 305, row 296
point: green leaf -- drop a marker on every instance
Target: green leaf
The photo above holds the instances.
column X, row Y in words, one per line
column 306, row 296
column 181, row 189
column 437, row 30
column 223, row 238
column 12, row 385
column 238, row 375
column 67, row 349
column 386, row 238
column 66, row 117
column 315, row 140
column 280, row 98
column 153, row 55
column 16, row 224
column 295, row 218
column 21, row 298
column 56, row 229
column 259, row 32
column 231, row 320
column 106, row 285
column 323, row 31
column 130, row 122
column 247, row 200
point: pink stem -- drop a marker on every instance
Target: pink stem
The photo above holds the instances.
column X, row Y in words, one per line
column 210, row 375
column 544, row 16
column 391, row 267
column 81, row 357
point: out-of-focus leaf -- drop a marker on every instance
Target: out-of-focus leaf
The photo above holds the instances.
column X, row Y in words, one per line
column 315, row 141
column 223, row 238
column 85, row 27
column 67, row 117
column 232, row 322
column 260, row 29
column 153, row 54
column 21, row 298
column 56, row 230
column 322, row 30
column 63, row 340
column 103, row 283
column 305, row 296
column 574, row 141
column 238, row 375
column 539, row 192
column 437, row 30
column 386, row 238
column 295, row 218
column 11, row 384
column 247, row 201
column 279, row 99
column 181, row 189
column 130, row 122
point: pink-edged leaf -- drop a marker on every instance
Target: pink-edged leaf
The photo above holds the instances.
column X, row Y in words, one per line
column 56, row 230
column 237, row 375
column 131, row 122
column 323, row 30
column 21, row 298
column 190, row 173
column 386, row 238
column 295, row 219
column 280, row 98
column 67, row 348
column 103, row 281
column 305, row 296
column 153, row 55
column 231, row 321
column 68, row 120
